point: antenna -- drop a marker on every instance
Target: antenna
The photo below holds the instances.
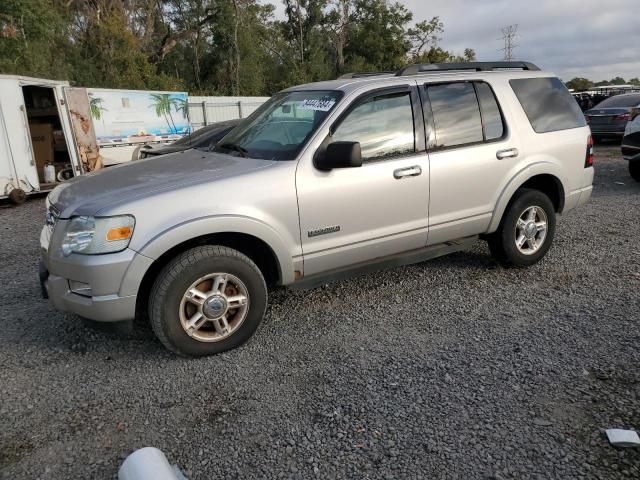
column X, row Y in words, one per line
column 509, row 34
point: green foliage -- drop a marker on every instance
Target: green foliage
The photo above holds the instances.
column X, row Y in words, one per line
column 32, row 39
column 219, row 47
column 579, row 84
column 613, row 81
column 96, row 107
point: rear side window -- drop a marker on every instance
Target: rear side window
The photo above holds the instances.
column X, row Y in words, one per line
column 464, row 113
column 548, row 104
column 456, row 114
column 491, row 118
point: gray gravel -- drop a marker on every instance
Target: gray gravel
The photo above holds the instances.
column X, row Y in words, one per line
column 455, row 368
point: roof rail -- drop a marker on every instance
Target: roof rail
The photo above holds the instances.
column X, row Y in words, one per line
column 474, row 66
column 364, row 74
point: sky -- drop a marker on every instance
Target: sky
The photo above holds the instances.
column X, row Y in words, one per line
column 596, row 39
column 572, row 38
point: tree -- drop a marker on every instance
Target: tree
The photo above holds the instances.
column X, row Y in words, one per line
column 425, row 36
column 219, row 47
column 33, row 39
column 339, row 21
column 378, row 36
column 162, row 103
column 579, row 84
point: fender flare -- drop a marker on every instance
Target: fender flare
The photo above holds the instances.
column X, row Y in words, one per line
column 180, row 233
column 539, row 168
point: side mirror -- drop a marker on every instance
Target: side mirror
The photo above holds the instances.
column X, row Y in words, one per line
column 339, row 155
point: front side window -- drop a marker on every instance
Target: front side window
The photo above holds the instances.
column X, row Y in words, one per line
column 383, row 125
column 281, row 127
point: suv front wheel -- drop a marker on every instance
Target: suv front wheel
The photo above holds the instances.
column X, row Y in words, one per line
column 526, row 230
column 207, row 300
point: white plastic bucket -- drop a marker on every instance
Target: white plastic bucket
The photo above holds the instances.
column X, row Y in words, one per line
column 148, row 463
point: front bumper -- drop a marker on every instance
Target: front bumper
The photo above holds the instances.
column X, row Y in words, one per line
column 114, row 280
column 104, row 308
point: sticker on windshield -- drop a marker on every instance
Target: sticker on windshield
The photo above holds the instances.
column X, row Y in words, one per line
column 319, row 105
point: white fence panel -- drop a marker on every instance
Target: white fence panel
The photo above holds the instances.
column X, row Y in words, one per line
column 206, row 110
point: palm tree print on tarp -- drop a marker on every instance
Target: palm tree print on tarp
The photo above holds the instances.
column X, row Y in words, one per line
column 181, row 106
column 163, row 103
column 96, row 107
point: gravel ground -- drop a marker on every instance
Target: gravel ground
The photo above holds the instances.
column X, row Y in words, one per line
column 454, row 368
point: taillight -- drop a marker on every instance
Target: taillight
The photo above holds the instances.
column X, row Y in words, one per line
column 587, row 118
column 588, row 161
column 625, row 116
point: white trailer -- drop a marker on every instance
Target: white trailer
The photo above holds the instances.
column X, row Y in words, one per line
column 37, row 131
column 46, row 124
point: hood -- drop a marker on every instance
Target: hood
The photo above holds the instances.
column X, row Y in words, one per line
column 164, row 149
column 112, row 186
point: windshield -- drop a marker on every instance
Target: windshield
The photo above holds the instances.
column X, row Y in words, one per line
column 620, row 101
column 280, row 128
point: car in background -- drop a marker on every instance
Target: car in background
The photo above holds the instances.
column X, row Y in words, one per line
column 631, row 145
column 609, row 118
column 205, row 137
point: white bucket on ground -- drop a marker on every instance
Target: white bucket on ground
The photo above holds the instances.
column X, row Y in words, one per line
column 148, row 463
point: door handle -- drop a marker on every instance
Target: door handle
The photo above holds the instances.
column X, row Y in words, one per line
column 508, row 153
column 407, row 172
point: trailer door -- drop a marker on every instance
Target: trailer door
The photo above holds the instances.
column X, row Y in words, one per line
column 84, row 135
column 14, row 130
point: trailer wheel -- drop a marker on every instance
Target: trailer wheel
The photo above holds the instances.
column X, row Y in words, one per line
column 17, row 196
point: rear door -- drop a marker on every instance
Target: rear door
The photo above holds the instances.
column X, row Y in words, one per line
column 471, row 152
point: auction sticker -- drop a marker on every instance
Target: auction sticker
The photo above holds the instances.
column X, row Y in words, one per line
column 319, row 105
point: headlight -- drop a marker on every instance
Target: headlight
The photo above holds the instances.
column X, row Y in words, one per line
column 91, row 236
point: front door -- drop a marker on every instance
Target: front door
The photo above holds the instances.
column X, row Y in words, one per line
column 351, row 215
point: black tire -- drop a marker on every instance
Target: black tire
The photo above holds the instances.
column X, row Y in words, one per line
column 175, row 279
column 502, row 243
column 634, row 170
column 17, row 196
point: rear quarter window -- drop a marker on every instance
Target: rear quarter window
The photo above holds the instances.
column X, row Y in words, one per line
column 548, row 104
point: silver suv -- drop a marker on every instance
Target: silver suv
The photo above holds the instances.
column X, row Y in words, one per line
column 326, row 179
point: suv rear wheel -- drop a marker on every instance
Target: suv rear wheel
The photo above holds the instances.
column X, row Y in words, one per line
column 207, row 300
column 634, row 170
column 526, row 230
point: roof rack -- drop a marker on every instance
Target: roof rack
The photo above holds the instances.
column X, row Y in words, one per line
column 364, row 74
column 473, row 66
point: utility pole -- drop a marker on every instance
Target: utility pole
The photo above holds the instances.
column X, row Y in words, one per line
column 509, row 34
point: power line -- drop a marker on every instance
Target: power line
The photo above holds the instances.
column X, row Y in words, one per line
column 509, row 34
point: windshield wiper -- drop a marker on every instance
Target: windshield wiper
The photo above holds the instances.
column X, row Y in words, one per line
column 236, row 148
